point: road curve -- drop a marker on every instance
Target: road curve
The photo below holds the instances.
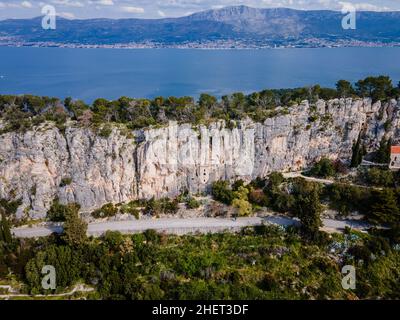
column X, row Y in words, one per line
column 183, row 226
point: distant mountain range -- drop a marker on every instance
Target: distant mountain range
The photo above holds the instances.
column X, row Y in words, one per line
column 238, row 26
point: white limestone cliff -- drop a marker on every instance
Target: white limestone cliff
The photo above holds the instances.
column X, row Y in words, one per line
column 165, row 161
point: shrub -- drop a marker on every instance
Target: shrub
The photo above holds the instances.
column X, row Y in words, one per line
column 65, row 182
column 192, row 203
column 131, row 209
column 241, row 202
column 161, row 206
column 258, row 197
column 58, row 212
column 379, row 177
column 347, row 198
column 222, row 192
column 105, row 131
column 108, row 210
column 323, row 169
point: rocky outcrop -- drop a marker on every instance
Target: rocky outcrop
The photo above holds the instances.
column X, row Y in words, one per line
column 80, row 166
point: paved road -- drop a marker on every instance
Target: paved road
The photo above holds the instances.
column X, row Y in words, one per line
column 184, row 226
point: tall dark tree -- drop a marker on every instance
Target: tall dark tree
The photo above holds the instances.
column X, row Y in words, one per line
column 5, row 229
column 344, row 88
column 74, row 227
column 307, row 207
column 384, row 209
column 358, row 153
column 383, row 153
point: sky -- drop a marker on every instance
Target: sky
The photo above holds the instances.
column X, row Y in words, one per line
column 83, row 9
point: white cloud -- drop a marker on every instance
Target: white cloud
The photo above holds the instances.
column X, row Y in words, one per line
column 130, row 9
column 66, row 15
column 174, row 8
column 364, row 6
column 370, row 7
column 102, row 2
column 68, row 3
column 26, row 4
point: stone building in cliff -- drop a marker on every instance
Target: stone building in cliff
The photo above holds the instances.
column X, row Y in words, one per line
column 394, row 158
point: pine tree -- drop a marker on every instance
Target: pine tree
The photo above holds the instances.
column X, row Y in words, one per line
column 308, row 208
column 384, row 209
column 74, row 227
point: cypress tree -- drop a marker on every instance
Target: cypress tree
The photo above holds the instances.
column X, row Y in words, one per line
column 5, row 229
column 358, row 153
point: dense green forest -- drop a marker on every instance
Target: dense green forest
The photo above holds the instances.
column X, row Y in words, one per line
column 258, row 263
column 23, row 112
column 266, row 262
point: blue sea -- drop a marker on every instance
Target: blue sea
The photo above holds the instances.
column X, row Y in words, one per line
column 146, row 73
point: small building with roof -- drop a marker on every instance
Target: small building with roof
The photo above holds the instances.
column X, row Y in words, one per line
column 394, row 158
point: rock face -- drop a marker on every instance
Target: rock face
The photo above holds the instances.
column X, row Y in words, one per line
column 80, row 166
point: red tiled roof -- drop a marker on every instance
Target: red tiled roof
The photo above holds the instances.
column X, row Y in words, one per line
column 395, row 149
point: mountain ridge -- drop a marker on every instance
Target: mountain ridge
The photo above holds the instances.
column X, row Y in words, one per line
column 236, row 24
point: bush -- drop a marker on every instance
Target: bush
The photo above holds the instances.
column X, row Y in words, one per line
column 105, row 131
column 192, row 203
column 275, row 179
column 65, row 182
column 323, row 169
column 162, row 206
column 241, row 202
column 379, row 177
column 222, row 192
column 384, row 208
column 131, row 209
column 108, row 210
column 347, row 198
column 58, row 212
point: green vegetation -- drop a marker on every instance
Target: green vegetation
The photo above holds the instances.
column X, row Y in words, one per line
column 307, row 207
column 65, row 182
column 106, row 211
column 378, row 177
column 377, row 88
column 241, row 201
column 74, row 228
column 58, row 212
column 383, row 153
column 5, row 229
column 192, row 203
column 384, row 208
column 347, row 198
column 358, row 153
column 161, row 206
column 20, row 113
column 222, row 192
column 324, row 168
column 266, row 262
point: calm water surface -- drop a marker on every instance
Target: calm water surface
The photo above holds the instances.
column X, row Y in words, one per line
column 110, row 73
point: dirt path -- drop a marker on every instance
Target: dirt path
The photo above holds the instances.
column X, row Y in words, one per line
column 77, row 288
